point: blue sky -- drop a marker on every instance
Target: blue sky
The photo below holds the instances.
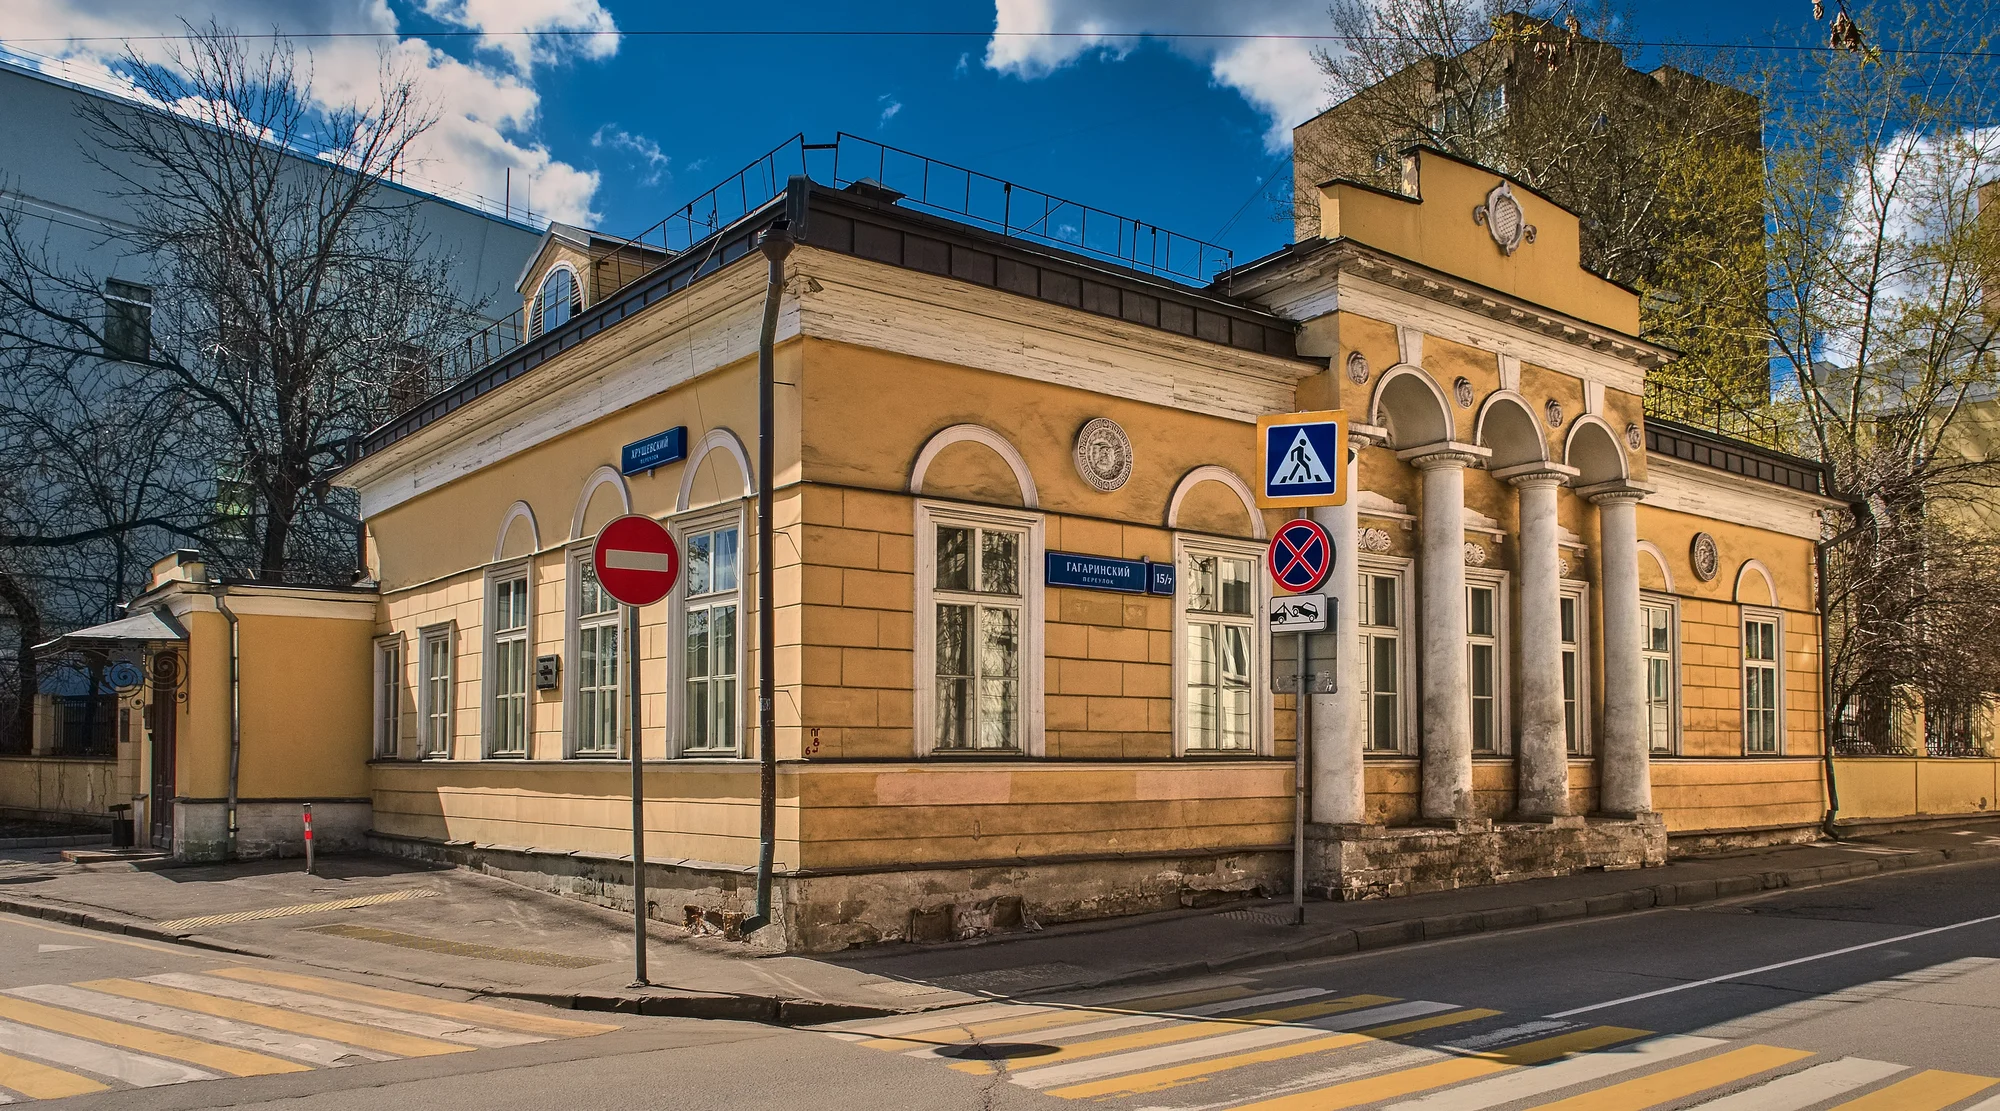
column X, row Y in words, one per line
column 623, row 129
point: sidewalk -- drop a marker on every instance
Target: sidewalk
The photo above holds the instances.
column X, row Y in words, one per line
column 446, row 928
column 457, row 929
column 1182, row 944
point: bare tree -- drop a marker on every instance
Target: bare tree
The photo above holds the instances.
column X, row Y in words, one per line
column 1881, row 317
column 293, row 289
column 1661, row 168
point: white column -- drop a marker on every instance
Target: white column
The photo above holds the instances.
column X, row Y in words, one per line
column 1338, row 719
column 1626, row 783
column 1541, row 784
column 1444, row 707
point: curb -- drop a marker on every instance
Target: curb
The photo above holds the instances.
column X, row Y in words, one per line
column 1410, row 931
column 736, row 1007
column 62, row 842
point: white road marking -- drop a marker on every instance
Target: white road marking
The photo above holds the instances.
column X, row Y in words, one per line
column 1543, row 1079
column 863, row 1029
column 1992, row 1104
column 1256, row 1037
column 1771, row 967
column 59, row 948
column 136, row 1069
column 1803, row 1089
column 242, row 1035
column 1394, row 1061
column 1146, row 1018
column 426, row 1026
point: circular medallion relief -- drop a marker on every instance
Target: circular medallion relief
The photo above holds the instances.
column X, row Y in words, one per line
column 1357, row 368
column 1705, row 557
column 1553, row 413
column 1461, row 389
column 1371, row 540
column 1103, row 454
column 1634, row 439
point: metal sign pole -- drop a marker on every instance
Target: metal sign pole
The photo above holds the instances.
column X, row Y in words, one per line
column 1302, row 742
column 638, row 797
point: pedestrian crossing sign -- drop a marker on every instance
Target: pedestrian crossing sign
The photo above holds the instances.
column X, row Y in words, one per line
column 1305, row 459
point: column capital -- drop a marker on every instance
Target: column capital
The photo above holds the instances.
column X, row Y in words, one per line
column 1366, row 435
column 1444, row 453
column 1618, row 490
column 1542, row 472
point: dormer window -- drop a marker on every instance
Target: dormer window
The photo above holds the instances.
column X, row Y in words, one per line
column 559, row 298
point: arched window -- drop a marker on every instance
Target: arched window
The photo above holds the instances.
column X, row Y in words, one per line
column 559, row 298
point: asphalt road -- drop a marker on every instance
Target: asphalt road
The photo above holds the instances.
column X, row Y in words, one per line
column 1878, row 995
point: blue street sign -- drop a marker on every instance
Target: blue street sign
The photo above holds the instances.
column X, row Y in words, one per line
column 1127, row 576
column 1305, row 459
column 1162, row 581
column 657, row 450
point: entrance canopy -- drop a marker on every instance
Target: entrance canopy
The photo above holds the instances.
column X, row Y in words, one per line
column 135, row 630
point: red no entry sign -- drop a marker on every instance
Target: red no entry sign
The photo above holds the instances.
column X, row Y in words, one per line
column 1300, row 556
column 636, row 560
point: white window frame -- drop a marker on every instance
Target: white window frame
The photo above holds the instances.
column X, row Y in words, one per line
column 427, row 709
column 390, row 678
column 929, row 515
column 520, row 570
column 1497, row 582
column 576, row 561
column 538, row 304
column 1777, row 622
column 1673, row 657
column 703, row 520
column 1406, row 692
column 1578, row 594
column 1262, row 731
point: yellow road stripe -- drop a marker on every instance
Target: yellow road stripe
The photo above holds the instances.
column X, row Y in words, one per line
column 1678, row 1083
column 1437, row 1075
column 1175, row 999
column 1187, row 1031
column 39, row 1081
column 1429, row 1022
column 222, row 1058
column 405, row 1001
column 367, row 1037
column 1159, row 1080
column 301, row 908
column 1929, row 1090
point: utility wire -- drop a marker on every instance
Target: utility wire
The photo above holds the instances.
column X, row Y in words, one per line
column 1170, row 36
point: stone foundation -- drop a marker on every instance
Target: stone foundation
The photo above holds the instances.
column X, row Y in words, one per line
column 1374, row 862
column 821, row 912
column 267, row 829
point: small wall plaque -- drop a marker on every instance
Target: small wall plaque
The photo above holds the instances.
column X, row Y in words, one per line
column 1103, row 454
column 548, row 672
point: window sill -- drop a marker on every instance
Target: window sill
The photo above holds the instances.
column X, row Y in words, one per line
column 1219, row 753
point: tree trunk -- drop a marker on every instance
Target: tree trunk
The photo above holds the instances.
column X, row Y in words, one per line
column 28, row 622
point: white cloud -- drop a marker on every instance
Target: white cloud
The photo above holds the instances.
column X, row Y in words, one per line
column 645, row 152
column 1276, row 76
column 485, row 111
column 890, row 106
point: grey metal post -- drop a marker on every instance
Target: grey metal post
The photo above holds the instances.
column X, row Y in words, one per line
column 638, row 797
column 1304, row 732
column 309, row 839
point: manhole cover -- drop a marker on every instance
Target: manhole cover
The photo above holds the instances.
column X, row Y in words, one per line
column 997, row 1051
column 1264, row 916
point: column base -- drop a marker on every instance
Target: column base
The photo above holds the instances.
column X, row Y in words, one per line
column 1349, row 862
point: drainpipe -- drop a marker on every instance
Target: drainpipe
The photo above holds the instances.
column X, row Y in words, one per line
column 776, row 243
column 235, row 706
column 1826, row 684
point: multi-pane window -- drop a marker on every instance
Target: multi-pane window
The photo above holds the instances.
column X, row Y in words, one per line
column 128, row 320
column 436, row 679
column 1482, row 628
column 1219, row 597
column 1380, row 621
column 556, row 301
column 710, row 636
column 509, row 655
column 1760, row 684
column 1656, row 649
column 388, row 697
column 977, row 595
column 1569, row 617
column 596, row 670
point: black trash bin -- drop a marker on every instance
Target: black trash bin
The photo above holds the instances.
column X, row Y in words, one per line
column 121, row 826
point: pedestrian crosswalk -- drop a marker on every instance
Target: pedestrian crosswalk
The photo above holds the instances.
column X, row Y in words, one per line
column 1248, row 1047
column 72, row 1039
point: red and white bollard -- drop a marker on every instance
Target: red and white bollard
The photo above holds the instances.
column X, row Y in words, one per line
column 309, row 838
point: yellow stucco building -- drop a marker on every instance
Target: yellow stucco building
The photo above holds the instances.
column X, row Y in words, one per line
column 1569, row 637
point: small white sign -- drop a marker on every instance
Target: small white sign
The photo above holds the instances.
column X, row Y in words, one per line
column 1300, row 613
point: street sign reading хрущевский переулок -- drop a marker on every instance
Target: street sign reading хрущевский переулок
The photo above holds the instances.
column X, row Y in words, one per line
column 1304, row 458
